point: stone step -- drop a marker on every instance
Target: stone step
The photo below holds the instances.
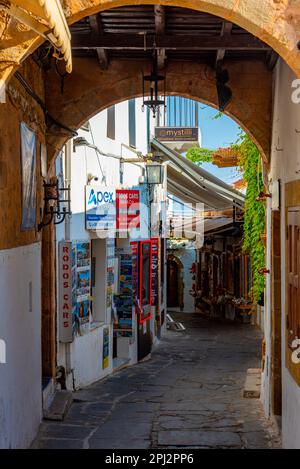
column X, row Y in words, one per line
column 60, row 405
column 253, row 384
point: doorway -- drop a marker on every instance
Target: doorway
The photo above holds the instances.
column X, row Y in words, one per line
column 174, row 283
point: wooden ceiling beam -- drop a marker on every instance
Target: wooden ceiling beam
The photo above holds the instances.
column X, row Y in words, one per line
column 178, row 42
column 97, row 30
column 160, row 26
column 226, row 32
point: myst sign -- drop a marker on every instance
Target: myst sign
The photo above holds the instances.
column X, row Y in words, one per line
column 177, row 134
column 100, row 208
column 65, row 291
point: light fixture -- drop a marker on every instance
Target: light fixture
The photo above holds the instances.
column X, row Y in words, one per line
column 150, row 88
column 224, row 92
column 155, row 173
column 54, row 206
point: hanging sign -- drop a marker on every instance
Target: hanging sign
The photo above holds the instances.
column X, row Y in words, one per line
column 155, row 265
column 65, row 291
column 177, row 134
column 100, row 208
column 128, row 209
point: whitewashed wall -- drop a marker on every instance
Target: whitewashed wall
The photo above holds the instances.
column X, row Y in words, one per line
column 20, row 327
column 285, row 164
column 84, row 355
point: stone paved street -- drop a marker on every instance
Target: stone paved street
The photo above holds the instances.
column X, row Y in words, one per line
column 189, row 394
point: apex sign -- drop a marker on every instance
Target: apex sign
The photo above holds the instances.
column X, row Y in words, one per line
column 100, row 208
column 98, row 197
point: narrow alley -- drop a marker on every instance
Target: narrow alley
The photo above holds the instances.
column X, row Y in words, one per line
column 189, row 394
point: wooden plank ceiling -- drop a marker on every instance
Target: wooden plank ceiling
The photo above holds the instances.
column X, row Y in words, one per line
column 177, row 33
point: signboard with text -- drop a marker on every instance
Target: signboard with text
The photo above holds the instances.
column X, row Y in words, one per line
column 65, row 291
column 100, row 208
column 128, row 209
column 177, row 134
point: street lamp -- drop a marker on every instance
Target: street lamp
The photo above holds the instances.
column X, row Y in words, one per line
column 155, row 173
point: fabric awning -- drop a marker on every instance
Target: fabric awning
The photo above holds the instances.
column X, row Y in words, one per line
column 192, row 184
column 46, row 18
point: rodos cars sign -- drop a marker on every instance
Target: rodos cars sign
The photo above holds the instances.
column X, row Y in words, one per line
column 65, row 291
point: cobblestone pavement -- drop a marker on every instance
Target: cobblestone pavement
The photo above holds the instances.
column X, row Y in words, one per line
column 189, row 394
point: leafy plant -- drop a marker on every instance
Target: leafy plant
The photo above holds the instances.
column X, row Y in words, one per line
column 254, row 219
column 200, row 155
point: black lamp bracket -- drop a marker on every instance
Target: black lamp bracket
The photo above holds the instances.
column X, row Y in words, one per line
column 52, row 193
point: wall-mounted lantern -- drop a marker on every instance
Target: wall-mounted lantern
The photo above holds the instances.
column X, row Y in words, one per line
column 150, row 88
column 55, row 206
column 154, row 173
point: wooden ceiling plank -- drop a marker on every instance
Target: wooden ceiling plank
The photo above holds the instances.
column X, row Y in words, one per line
column 179, row 42
column 160, row 26
column 97, row 30
column 225, row 33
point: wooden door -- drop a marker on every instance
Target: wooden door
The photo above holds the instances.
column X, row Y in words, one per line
column 293, row 231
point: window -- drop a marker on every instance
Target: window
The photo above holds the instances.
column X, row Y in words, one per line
column 111, row 123
column 131, row 122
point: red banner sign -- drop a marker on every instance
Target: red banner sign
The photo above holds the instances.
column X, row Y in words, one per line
column 128, row 209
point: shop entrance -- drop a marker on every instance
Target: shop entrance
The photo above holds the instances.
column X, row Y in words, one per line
column 173, row 274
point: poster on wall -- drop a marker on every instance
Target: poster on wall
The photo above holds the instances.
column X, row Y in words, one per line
column 124, row 301
column 81, row 286
column 128, row 209
column 110, row 277
column 28, row 170
column 105, row 362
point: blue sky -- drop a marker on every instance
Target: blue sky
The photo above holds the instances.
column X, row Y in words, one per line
column 218, row 133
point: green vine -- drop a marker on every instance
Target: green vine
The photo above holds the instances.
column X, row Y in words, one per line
column 200, row 155
column 254, row 219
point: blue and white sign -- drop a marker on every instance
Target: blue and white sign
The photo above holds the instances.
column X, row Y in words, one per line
column 100, row 208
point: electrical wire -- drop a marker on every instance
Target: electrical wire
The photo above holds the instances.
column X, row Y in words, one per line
column 41, row 103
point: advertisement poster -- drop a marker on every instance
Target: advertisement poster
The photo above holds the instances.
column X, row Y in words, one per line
column 110, row 277
column 100, row 208
column 128, row 209
column 105, row 363
column 123, row 301
column 81, row 285
column 28, row 170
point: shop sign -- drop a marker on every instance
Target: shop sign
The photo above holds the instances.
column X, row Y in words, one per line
column 100, row 208
column 128, row 209
column 65, row 291
column 177, row 134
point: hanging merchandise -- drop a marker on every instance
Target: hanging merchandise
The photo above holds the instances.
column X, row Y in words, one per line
column 124, row 299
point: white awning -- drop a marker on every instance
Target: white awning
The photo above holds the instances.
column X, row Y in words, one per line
column 192, row 184
column 46, row 18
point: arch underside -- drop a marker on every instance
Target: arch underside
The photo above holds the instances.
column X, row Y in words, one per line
column 275, row 23
column 89, row 90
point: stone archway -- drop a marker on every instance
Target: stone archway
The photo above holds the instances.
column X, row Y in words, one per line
column 89, row 90
column 276, row 22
